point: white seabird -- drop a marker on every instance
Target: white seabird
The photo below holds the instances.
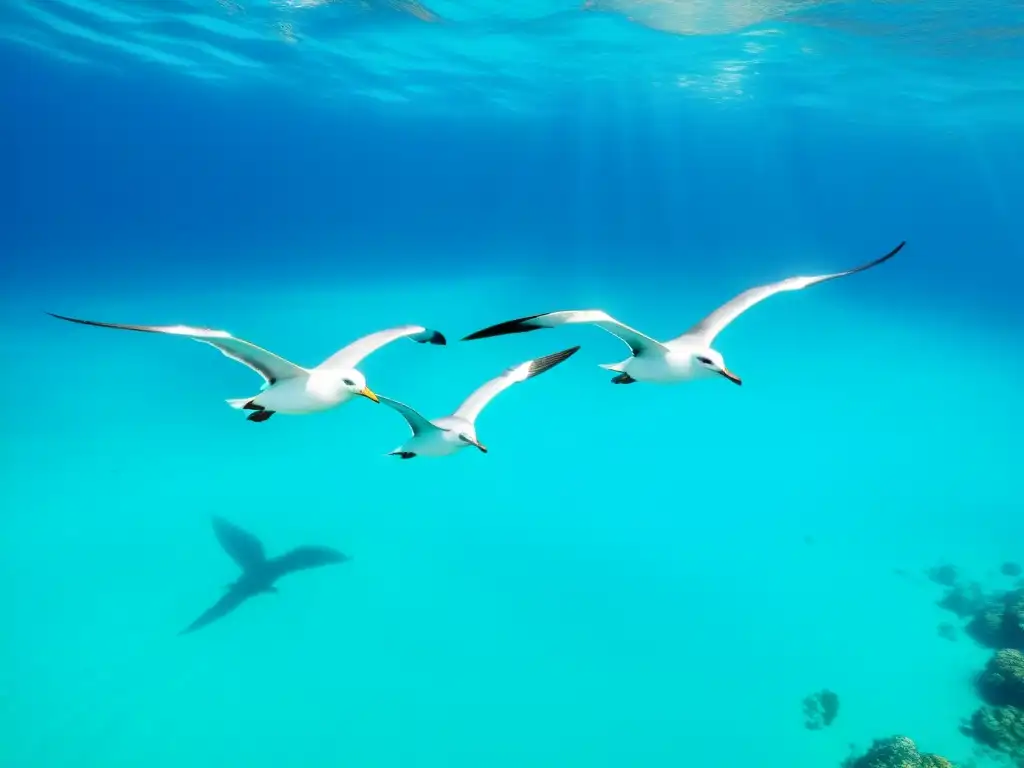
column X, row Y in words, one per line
column 449, row 434
column 289, row 388
column 683, row 358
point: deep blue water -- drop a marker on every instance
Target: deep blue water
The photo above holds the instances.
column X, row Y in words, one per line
column 641, row 575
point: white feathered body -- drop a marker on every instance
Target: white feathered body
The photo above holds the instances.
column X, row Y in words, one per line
column 675, row 364
column 444, row 441
column 317, row 391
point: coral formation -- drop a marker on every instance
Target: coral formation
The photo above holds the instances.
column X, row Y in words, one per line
column 896, row 752
column 1000, row 729
column 820, row 709
column 1000, row 622
column 999, row 725
column 994, row 620
column 1002, row 681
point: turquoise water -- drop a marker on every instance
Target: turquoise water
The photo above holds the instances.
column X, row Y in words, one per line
column 632, row 575
column 601, row 588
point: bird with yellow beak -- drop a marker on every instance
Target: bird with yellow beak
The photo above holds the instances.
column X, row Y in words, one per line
column 287, row 387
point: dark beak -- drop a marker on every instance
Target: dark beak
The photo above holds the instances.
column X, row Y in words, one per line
column 467, row 439
column 731, row 376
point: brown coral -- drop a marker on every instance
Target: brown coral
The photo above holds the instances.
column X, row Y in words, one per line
column 1002, row 680
column 1000, row 623
column 1000, row 728
column 896, row 752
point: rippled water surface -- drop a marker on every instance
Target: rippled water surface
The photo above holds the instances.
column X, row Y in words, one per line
column 885, row 59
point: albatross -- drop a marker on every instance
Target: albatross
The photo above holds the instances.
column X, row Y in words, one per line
column 448, row 435
column 686, row 357
column 289, row 388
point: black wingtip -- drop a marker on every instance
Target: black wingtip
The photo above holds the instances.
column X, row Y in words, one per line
column 80, row 321
column 895, row 250
column 98, row 324
column 430, row 336
column 874, row 263
column 519, row 325
column 887, row 256
column 548, row 362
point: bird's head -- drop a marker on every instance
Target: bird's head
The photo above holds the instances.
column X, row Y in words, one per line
column 712, row 362
column 469, row 436
column 354, row 382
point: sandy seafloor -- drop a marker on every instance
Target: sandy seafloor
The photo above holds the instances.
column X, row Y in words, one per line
column 625, row 579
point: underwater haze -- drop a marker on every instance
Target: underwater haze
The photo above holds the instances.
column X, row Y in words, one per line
column 644, row 575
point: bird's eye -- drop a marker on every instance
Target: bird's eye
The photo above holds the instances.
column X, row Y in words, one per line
column 704, row 360
column 349, row 382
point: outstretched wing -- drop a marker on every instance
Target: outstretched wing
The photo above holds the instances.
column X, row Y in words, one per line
column 302, row 558
column 475, row 403
column 244, row 548
column 268, row 365
column 218, row 610
column 713, row 324
column 637, row 342
column 417, row 422
column 353, row 354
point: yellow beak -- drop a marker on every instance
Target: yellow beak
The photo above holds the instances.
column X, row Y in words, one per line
column 367, row 392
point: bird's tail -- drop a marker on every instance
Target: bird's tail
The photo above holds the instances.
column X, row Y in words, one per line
column 239, row 402
column 617, row 367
